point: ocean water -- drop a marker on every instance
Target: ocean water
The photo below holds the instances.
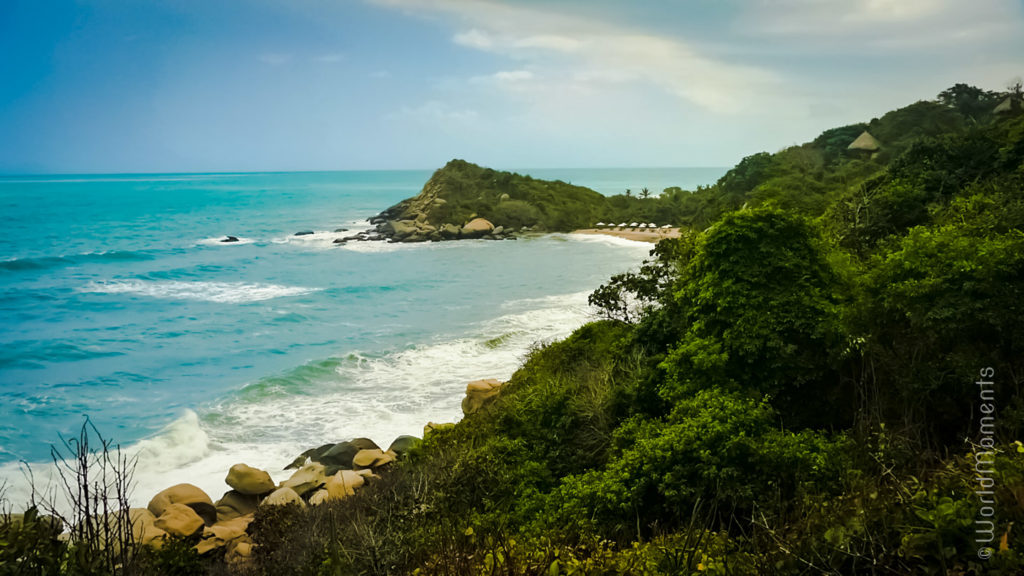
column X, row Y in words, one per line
column 118, row 302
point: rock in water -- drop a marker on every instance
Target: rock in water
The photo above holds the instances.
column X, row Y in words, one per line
column 230, row 239
column 249, row 480
column 304, row 233
column 179, row 520
column 188, row 495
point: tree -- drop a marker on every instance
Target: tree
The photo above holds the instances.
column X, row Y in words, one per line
column 968, row 100
column 763, row 309
column 645, row 193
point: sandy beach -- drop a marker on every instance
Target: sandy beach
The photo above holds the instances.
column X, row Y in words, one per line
column 639, row 234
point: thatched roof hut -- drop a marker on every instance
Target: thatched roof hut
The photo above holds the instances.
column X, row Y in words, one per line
column 1007, row 105
column 865, row 142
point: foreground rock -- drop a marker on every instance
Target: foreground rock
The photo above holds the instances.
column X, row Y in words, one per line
column 282, row 497
column 179, row 520
column 480, row 393
column 248, row 480
column 234, row 504
column 188, row 495
column 223, row 533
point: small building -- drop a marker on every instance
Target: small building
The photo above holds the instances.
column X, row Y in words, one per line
column 1008, row 105
column 865, row 143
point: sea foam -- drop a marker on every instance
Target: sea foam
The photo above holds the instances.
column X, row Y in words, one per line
column 220, row 292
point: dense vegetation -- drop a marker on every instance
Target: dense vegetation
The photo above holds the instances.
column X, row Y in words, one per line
column 789, row 388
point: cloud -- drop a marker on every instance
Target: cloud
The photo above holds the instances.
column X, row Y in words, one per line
column 578, row 50
column 274, row 59
column 885, row 24
column 473, row 39
column 504, row 77
column 435, row 112
column 330, row 58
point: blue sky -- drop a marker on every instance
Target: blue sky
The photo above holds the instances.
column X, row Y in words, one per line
column 222, row 85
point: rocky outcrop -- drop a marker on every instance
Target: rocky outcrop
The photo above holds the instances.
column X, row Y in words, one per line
column 283, row 496
column 476, row 227
column 223, row 533
column 188, row 495
column 179, row 520
column 323, row 474
column 249, row 480
column 234, row 504
column 480, row 393
column 306, row 479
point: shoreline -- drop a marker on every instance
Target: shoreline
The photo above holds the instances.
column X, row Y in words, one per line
column 636, row 234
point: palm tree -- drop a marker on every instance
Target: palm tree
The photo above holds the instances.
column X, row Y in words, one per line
column 645, row 193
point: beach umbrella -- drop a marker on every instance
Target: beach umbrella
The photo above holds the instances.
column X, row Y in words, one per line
column 652, row 225
column 633, row 225
column 643, row 225
column 600, row 224
column 667, row 226
column 623, row 225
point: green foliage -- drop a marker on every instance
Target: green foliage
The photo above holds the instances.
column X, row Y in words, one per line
column 762, row 300
column 29, row 544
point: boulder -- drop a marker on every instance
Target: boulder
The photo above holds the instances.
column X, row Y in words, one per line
column 371, row 459
column 344, row 483
column 234, row 504
column 139, row 522
column 306, row 479
column 319, row 497
column 436, row 427
column 222, row 533
column 230, row 239
column 188, row 495
column 480, row 393
column 341, row 229
column 281, row 497
column 144, row 529
column 179, row 520
column 311, row 454
column 399, row 229
column 340, row 455
column 304, row 233
column 449, row 231
column 403, row 444
column 498, row 230
column 476, row 227
column 503, row 197
column 249, row 480
column 239, row 552
column 340, row 241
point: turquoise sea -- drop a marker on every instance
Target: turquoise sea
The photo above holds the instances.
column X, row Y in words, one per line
column 117, row 301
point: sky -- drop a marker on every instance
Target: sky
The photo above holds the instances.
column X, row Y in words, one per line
column 265, row 85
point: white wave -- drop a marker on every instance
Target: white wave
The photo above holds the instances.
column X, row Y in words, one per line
column 379, row 397
column 608, row 239
column 219, row 241
column 321, row 239
column 221, row 292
